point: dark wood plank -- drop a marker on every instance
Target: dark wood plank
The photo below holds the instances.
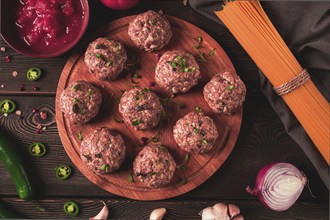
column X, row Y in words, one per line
column 183, row 209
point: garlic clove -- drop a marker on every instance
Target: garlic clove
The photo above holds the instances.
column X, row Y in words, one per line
column 220, row 210
column 157, row 214
column 233, row 210
column 103, row 214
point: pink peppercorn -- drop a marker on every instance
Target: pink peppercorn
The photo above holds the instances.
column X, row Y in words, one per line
column 152, row 84
column 8, row 59
column 35, row 110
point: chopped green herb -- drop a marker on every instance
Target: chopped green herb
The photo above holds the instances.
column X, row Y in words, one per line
column 165, row 101
column 80, row 137
column 201, row 58
column 212, row 52
column 198, row 109
column 230, row 87
column 186, row 158
column 136, row 122
column 183, row 181
column 154, row 139
column 196, row 130
column 154, row 21
column 99, row 155
column 109, row 63
column 89, row 93
column 76, row 87
column 88, row 157
column 98, row 55
column 130, row 178
column 136, row 75
column 75, row 100
column 199, row 39
column 103, row 167
column 205, row 141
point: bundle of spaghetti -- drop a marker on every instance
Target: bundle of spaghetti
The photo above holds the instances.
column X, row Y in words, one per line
column 250, row 25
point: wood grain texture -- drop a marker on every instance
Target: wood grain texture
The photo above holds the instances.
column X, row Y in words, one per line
column 183, row 209
column 199, row 167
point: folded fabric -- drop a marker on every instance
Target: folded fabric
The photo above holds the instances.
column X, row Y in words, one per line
column 304, row 26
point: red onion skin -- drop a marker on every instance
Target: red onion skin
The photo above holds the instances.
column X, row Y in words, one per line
column 257, row 191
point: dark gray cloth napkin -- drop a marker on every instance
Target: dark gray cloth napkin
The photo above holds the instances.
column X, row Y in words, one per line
column 305, row 27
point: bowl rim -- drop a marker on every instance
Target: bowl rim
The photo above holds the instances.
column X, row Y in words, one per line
column 62, row 50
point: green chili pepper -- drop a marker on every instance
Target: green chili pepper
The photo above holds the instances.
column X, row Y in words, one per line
column 7, row 106
column 63, row 172
column 13, row 163
column 37, row 149
column 71, row 208
column 33, row 74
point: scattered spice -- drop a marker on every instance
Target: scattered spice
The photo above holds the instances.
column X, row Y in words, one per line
column 2, row 86
column 38, row 131
column 5, row 114
column 199, row 41
column 157, row 56
column 22, row 87
column 18, row 112
column 109, row 63
column 119, row 97
column 43, row 115
column 14, row 73
column 35, row 110
column 34, row 88
column 3, row 49
column 90, row 93
column 8, row 59
column 39, row 126
column 144, row 140
column 152, row 84
column 198, row 109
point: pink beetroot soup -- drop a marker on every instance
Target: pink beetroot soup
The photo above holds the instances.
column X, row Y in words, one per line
column 47, row 25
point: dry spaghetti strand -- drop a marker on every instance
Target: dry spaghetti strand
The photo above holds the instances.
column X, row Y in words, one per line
column 255, row 32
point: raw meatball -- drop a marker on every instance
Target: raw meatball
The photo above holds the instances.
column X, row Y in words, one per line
column 105, row 58
column 225, row 93
column 154, row 166
column 177, row 71
column 140, row 108
column 150, row 31
column 80, row 102
column 195, row 133
column 103, row 151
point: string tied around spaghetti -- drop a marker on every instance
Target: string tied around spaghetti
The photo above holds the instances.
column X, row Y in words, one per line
column 293, row 83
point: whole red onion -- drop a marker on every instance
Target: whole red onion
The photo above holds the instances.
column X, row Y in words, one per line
column 279, row 185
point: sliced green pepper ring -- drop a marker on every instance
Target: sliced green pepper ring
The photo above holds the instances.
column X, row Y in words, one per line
column 37, row 149
column 63, row 172
column 7, row 106
column 33, row 74
column 71, row 208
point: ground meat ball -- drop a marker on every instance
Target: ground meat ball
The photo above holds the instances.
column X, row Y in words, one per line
column 195, row 133
column 225, row 93
column 105, row 58
column 140, row 108
column 154, row 166
column 80, row 102
column 177, row 71
column 103, row 151
column 150, row 31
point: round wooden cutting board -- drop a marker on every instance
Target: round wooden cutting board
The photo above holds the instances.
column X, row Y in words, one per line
column 198, row 168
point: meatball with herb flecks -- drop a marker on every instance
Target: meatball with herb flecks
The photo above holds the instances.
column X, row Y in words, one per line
column 177, row 72
column 225, row 93
column 103, row 151
column 106, row 58
column 150, row 31
column 154, row 166
column 195, row 132
column 140, row 108
column 80, row 102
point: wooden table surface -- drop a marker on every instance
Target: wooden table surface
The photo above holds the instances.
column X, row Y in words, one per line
column 262, row 140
